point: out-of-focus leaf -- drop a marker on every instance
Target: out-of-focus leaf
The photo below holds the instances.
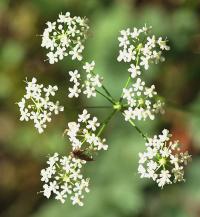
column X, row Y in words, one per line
column 194, row 121
column 6, row 85
column 12, row 53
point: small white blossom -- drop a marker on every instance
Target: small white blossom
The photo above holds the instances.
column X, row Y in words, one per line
column 93, row 124
column 74, row 76
column 84, row 116
column 88, row 67
column 134, row 70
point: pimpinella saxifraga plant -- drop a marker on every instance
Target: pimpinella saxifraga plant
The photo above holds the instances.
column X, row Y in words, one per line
column 162, row 161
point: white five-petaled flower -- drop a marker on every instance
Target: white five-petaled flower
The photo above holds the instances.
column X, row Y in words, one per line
column 134, row 70
column 88, row 67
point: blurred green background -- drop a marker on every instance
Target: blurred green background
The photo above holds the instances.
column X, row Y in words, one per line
column 116, row 189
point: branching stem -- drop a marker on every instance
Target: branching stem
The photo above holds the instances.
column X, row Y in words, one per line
column 108, row 98
column 106, row 122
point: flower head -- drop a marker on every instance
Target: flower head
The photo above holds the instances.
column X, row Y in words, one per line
column 65, row 37
column 138, row 45
column 36, row 104
column 162, row 161
column 62, row 178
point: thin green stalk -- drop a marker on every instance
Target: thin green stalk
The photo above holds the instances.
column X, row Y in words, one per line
column 110, row 100
column 138, row 130
column 107, row 92
column 126, row 85
column 106, row 122
column 98, row 107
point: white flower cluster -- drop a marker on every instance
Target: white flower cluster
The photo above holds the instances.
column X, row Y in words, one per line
column 82, row 134
column 140, row 49
column 137, row 45
column 36, row 104
column 65, row 37
column 89, row 85
column 142, row 102
column 63, row 178
column 163, row 162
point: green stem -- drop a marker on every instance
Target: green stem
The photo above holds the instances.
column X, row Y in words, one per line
column 106, row 122
column 107, row 92
column 98, row 107
column 126, row 85
column 108, row 98
column 138, row 130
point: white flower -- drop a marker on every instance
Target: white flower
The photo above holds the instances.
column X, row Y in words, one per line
column 25, row 115
column 134, row 70
column 88, row 67
column 162, row 44
column 84, row 116
column 76, row 52
column 74, row 91
column 47, row 191
column 145, row 62
column 53, row 159
column 52, row 58
column 142, row 171
column 160, row 163
column 36, row 104
column 61, row 196
column 151, row 41
column 93, row 124
column 50, row 90
column 164, row 178
column 74, row 76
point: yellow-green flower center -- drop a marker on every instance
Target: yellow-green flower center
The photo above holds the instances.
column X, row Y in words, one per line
column 162, row 161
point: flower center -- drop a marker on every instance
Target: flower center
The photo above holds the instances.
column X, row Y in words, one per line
column 141, row 102
column 162, row 161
